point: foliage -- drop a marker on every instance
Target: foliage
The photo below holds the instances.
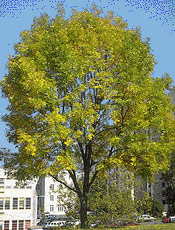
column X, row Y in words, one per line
column 110, row 199
column 156, row 208
column 169, row 180
column 70, row 202
column 149, row 205
column 82, row 99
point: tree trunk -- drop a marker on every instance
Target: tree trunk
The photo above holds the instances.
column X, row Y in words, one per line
column 83, row 212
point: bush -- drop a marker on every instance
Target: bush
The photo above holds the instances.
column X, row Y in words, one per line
column 150, row 206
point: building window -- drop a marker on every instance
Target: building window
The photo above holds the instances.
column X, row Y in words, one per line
column 60, row 208
column 21, row 203
column 15, row 203
column 28, row 203
column 6, row 225
column 14, row 224
column 21, row 224
column 7, row 203
column 21, row 187
column 8, row 186
column 29, row 187
column 1, row 181
column 52, row 197
column 164, row 201
column 52, row 186
column 163, row 184
column 27, row 224
column 1, row 224
column 1, row 203
column 51, row 208
column 163, row 193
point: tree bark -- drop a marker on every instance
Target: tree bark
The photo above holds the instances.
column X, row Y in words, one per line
column 83, row 212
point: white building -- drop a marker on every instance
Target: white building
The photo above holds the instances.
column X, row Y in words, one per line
column 18, row 206
column 22, row 207
column 48, row 197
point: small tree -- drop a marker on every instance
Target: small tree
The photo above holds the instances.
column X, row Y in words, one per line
column 42, row 213
column 157, row 208
column 149, row 205
column 82, row 99
column 111, row 199
column 169, row 179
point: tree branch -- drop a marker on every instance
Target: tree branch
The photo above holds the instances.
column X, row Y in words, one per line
column 93, row 178
column 81, row 148
column 110, row 154
column 61, row 182
column 74, row 179
column 111, row 151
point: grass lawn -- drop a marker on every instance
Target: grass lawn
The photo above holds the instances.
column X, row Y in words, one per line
column 145, row 227
column 151, row 227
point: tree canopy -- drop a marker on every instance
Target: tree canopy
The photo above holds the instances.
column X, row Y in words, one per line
column 82, row 99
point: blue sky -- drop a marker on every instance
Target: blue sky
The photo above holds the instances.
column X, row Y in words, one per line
column 155, row 18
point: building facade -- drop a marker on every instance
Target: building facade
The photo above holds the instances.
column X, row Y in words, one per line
column 18, row 206
column 156, row 190
column 48, row 201
column 22, row 207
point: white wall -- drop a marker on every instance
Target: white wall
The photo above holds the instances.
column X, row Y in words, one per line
column 8, row 189
column 46, row 184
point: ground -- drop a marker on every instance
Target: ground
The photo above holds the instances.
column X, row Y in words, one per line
column 146, row 227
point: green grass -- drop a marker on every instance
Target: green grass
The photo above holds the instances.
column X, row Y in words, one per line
column 145, row 227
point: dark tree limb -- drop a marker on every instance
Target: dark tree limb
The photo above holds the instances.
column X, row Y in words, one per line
column 74, row 179
column 63, row 183
column 93, row 178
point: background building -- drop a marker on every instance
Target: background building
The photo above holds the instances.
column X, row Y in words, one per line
column 156, row 190
column 48, row 197
column 21, row 207
column 18, row 207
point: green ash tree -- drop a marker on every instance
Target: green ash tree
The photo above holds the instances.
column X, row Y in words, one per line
column 149, row 205
column 82, row 100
